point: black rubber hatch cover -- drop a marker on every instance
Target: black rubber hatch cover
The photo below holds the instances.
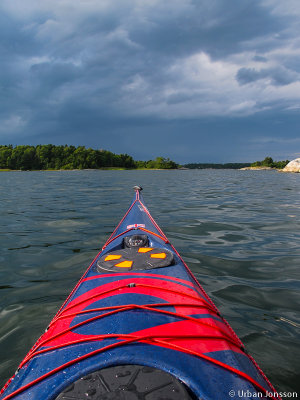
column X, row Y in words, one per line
column 134, row 259
column 127, row 382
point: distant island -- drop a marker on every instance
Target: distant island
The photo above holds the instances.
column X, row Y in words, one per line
column 51, row 157
column 216, row 166
column 268, row 163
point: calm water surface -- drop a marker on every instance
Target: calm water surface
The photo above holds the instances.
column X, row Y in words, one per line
column 239, row 231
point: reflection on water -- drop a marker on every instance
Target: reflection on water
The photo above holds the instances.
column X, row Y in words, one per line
column 237, row 230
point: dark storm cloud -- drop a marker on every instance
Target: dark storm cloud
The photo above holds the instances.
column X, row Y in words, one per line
column 260, row 59
column 279, row 76
column 83, row 70
column 218, row 28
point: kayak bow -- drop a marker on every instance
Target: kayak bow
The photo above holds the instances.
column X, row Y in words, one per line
column 138, row 326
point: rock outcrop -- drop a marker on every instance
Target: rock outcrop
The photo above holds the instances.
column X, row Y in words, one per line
column 292, row 166
column 257, row 169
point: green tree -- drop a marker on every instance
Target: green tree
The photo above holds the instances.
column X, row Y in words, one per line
column 268, row 162
column 5, row 156
column 29, row 160
column 91, row 158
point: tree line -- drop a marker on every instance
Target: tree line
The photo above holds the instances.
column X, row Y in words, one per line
column 43, row 157
column 269, row 162
column 216, row 166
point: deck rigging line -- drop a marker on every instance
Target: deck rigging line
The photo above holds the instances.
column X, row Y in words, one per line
column 127, row 339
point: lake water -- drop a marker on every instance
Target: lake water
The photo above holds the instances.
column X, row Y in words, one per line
column 239, row 231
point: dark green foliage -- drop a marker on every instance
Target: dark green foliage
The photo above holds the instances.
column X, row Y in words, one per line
column 281, row 164
column 158, row 163
column 268, row 162
column 70, row 157
column 216, row 166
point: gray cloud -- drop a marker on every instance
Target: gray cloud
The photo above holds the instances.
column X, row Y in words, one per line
column 78, row 70
column 260, row 58
column 279, row 76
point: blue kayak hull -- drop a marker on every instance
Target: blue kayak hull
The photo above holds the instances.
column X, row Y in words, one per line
column 138, row 304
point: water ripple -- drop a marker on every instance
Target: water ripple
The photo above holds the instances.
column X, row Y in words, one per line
column 238, row 231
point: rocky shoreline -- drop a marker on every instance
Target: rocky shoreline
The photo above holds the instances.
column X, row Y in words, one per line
column 258, row 169
column 292, row 166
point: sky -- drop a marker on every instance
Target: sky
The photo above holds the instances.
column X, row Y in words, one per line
column 193, row 80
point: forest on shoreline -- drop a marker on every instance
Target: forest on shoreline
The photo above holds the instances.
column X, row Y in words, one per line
column 267, row 162
column 51, row 157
